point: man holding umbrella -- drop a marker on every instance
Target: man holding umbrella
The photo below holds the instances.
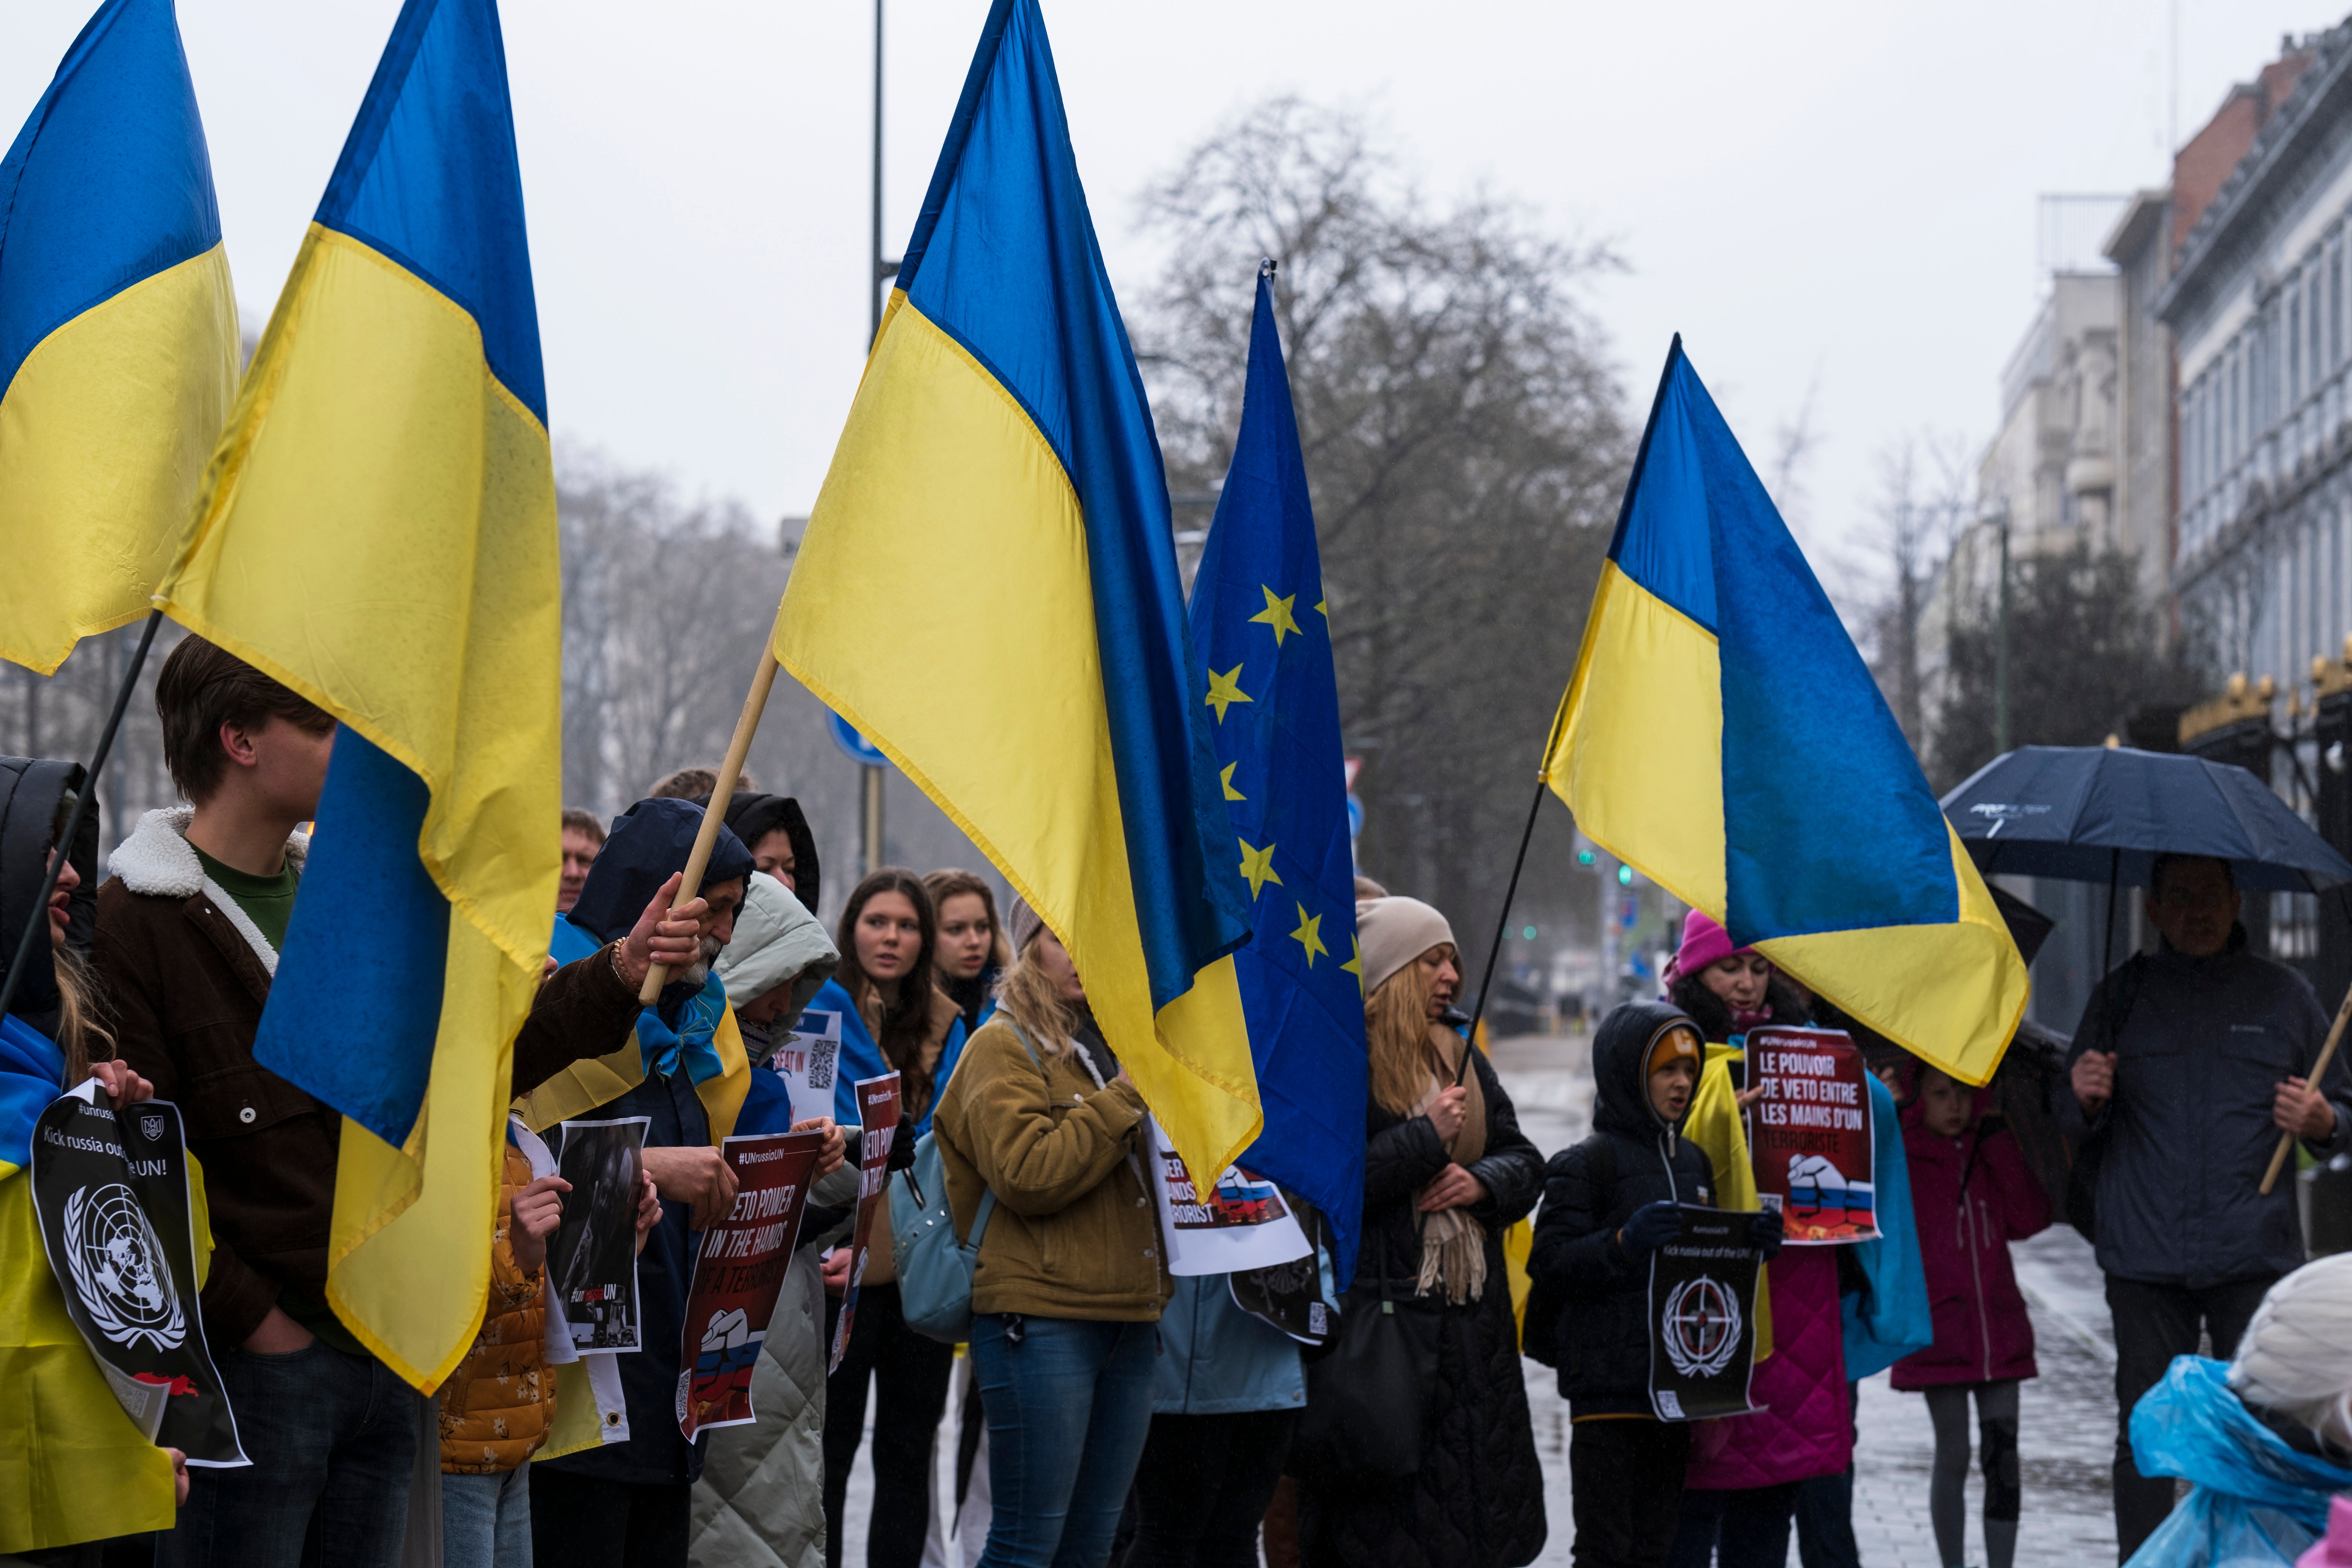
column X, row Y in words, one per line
column 2188, row 1064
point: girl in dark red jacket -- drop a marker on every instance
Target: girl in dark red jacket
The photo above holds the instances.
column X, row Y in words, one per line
column 1971, row 1195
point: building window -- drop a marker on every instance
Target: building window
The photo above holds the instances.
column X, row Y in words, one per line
column 2318, row 365
column 2293, row 348
column 2337, row 304
column 2233, row 440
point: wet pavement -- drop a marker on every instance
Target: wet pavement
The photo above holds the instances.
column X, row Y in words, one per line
column 2067, row 1422
column 2067, row 1416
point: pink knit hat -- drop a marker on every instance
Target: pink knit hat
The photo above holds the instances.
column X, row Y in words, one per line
column 1703, row 943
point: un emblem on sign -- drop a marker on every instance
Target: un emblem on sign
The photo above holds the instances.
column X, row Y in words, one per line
column 1700, row 1327
column 116, row 1262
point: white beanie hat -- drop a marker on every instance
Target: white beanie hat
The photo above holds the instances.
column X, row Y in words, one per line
column 1395, row 931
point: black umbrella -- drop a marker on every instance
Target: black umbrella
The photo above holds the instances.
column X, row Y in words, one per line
column 2104, row 813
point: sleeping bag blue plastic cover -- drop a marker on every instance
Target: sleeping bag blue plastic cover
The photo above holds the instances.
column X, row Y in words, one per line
column 2253, row 1500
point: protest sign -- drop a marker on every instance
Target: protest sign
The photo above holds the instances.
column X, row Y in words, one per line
column 739, row 1269
column 1809, row 1134
column 1703, row 1317
column 111, row 1190
column 877, row 1115
column 555, row 1339
column 806, row 1060
column 1240, row 1223
column 1289, row 1296
column 592, row 1260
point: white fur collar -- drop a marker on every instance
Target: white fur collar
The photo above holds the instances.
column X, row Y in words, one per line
column 158, row 861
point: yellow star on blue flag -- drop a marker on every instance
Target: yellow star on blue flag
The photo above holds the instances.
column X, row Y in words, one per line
column 1305, row 1020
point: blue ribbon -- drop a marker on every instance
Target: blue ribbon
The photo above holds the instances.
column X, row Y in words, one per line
column 664, row 1049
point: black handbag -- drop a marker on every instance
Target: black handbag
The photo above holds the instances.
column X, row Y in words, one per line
column 1368, row 1397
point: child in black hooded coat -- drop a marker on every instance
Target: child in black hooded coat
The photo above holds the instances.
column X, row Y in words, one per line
column 1608, row 1203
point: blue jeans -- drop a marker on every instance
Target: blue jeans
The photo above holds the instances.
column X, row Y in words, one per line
column 485, row 1519
column 332, row 1438
column 1069, row 1406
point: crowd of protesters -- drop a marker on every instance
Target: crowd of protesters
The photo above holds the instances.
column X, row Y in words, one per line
column 1109, row 1411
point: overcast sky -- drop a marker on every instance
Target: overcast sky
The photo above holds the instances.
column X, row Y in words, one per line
column 1832, row 201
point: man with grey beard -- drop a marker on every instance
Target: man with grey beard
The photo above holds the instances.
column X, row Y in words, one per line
column 628, row 1502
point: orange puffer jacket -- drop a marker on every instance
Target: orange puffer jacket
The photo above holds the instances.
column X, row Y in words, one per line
column 499, row 1406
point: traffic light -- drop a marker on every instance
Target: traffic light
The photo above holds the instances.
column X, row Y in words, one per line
column 1624, row 876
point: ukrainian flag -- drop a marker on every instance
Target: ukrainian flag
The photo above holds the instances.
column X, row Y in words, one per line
column 118, row 334
column 1723, row 735
column 997, row 508
column 377, row 530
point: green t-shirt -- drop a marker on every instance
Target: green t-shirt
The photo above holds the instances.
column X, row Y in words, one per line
column 267, row 901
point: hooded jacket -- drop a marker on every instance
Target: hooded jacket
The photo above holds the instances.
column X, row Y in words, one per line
column 751, row 817
column 71, row 1468
column 1603, row 1332
column 2188, row 1132
column 187, row 973
column 35, row 794
column 649, row 842
column 1970, row 1196
column 776, row 942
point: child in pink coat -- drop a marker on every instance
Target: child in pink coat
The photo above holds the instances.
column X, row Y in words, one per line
column 1971, row 1195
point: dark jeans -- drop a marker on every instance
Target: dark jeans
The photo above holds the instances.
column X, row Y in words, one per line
column 1069, row 1406
column 1204, row 1485
column 587, row 1522
column 912, row 1372
column 2154, row 1323
column 1747, row 1528
column 332, row 1438
column 1625, row 1482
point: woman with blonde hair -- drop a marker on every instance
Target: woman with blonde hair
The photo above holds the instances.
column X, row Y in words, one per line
column 71, row 1483
column 1446, row 1171
column 1067, row 1295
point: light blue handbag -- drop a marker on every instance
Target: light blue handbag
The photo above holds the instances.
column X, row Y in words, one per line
column 935, row 1265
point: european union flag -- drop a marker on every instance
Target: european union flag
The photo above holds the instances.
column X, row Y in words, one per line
column 1261, row 627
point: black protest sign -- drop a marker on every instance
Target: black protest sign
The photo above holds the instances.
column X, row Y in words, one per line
column 1701, row 1317
column 591, row 1258
column 111, row 1192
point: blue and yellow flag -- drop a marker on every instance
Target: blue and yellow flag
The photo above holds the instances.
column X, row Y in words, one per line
column 1262, row 631
column 378, row 531
column 1723, row 735
column 988, row 590
column 118, row 334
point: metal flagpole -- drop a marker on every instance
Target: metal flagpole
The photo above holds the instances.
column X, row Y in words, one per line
column 36, row 925
column 1502, row 924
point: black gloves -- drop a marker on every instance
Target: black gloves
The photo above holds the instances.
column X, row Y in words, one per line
column 902, row 1148
column 1652, row 1226
column 1764, row 1233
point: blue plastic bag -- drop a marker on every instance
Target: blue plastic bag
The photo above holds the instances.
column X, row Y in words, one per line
column 2255, row 1503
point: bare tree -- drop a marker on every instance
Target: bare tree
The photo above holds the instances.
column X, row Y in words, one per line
column 1925, row 491
column 1464, row 443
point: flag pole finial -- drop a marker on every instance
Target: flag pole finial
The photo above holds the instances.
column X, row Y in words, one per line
column 1265, row 266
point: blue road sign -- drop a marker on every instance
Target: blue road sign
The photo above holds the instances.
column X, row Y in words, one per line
column 854, row 746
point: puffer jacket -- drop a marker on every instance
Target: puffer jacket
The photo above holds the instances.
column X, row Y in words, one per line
column 1603, row 1331
column 499, row 1406
column 1073, row 1233
column 761, row 1500
column 1972, row 1197
column 1804, row 1427
column 1477, row 1501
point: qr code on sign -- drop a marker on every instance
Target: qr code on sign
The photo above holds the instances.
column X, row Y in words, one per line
column 822, row 1052
column 1670, row 1404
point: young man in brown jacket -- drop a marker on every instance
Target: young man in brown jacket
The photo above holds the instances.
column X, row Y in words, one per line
column 188, row 932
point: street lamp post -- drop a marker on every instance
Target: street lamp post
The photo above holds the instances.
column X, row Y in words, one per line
column 2001, row 643
column 881, row 270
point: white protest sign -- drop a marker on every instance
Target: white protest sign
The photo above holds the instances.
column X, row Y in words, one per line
column 1240, row 1223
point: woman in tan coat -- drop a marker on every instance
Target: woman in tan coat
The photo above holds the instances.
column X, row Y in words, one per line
column 1066, row 1300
